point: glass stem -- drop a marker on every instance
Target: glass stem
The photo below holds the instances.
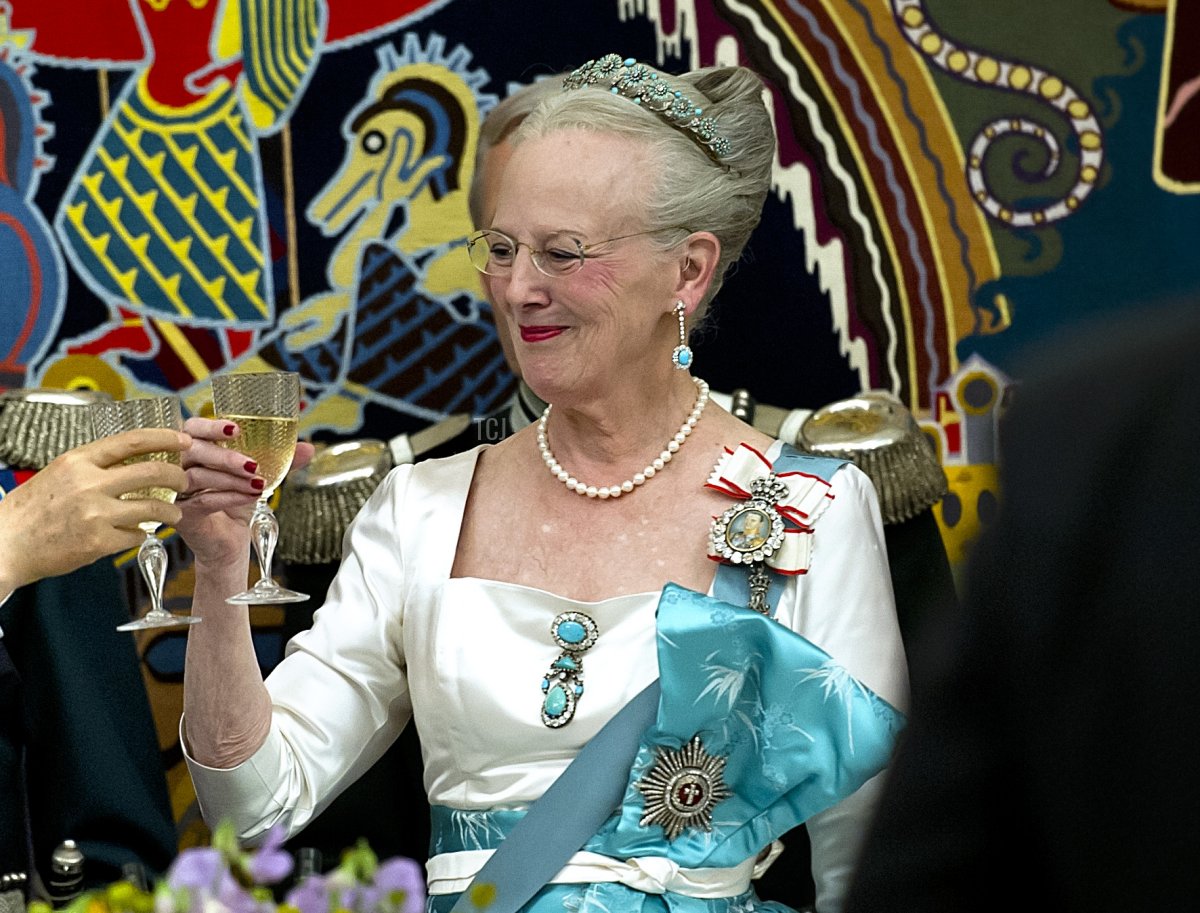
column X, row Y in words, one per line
column 152, row 561
column 264, row 533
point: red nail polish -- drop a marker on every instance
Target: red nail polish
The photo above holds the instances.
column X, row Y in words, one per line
column 257, row 484
column 250, row 466
column 229, row 429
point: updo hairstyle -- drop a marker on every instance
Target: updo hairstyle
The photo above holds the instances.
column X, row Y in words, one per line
column 691, row 188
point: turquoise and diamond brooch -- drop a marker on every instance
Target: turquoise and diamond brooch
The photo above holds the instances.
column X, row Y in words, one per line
column 562, row 686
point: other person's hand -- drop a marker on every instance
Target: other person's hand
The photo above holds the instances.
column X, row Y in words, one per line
column 71, row 513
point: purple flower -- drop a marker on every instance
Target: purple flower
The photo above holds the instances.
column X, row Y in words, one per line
column 234, row 898
column 310, row 896
column 345, row 896
column 366, row 898
column 202, row 875
column 398, row 876
column 270, row 863
column 197, row 869
column 225, row 879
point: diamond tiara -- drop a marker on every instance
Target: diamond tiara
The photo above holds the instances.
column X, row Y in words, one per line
column 643, row 86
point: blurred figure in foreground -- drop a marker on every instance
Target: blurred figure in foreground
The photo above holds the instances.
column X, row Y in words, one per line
column 1052, row 733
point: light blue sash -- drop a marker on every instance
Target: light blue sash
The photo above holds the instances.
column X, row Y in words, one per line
column 797, row 732
column 567, row 814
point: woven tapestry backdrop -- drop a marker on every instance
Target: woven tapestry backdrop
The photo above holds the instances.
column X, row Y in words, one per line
column 192, row 186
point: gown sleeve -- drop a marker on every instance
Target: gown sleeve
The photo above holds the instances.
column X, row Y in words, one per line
column 845, row 605
column 340, row 696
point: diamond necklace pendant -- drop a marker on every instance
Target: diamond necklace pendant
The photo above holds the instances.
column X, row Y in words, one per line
column 562, row 687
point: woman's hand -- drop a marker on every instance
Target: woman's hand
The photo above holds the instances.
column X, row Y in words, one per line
column 222, row 488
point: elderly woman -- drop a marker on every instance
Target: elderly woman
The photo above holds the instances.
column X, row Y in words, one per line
column 475, row 589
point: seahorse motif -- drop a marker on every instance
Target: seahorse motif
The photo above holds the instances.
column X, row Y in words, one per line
column 403, row 324
column 983, row 69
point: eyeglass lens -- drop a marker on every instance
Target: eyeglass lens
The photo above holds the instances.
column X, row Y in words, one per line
column 494, row 253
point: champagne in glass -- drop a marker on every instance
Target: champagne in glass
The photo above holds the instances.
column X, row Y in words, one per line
column 152, row 492
column 125, row 415
column 266, row 409
column 269, row 441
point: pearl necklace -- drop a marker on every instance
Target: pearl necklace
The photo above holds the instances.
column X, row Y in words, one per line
column 615, row 491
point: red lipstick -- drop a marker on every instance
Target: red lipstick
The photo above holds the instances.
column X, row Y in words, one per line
column 539, row 334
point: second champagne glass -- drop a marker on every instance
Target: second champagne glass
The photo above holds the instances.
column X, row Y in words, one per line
column 266, row 409
column 126, row 415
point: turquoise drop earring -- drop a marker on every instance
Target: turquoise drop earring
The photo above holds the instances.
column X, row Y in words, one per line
column 682, row 356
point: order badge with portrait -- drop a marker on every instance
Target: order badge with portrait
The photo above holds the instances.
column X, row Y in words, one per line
column 748, row 532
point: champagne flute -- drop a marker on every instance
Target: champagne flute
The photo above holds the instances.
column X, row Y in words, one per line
column 125, row 415
column 266, row 409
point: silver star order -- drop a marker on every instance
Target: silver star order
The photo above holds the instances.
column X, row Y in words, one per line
column 682, row 788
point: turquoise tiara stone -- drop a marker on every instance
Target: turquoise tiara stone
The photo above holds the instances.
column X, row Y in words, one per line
column 642, row 86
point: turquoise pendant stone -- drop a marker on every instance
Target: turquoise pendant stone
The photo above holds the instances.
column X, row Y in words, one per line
column 685, row 358
column 556, row 702
column 572, row 632
column 566, row 663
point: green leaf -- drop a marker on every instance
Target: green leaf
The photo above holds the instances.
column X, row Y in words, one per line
column 224, row 838
column 360, row 862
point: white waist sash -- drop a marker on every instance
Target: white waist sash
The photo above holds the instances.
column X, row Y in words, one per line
column 451, row 873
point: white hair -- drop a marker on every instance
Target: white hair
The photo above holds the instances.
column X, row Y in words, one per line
column 689, row 187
